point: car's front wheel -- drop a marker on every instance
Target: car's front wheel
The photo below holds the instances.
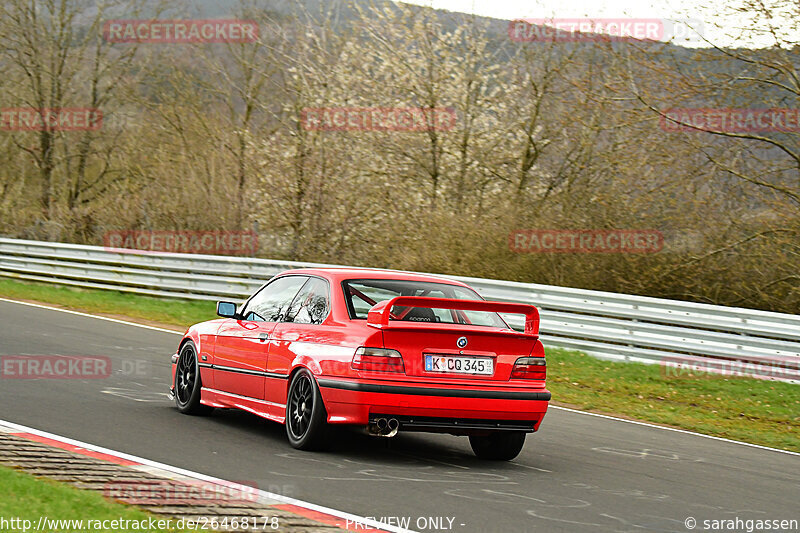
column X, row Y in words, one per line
column 498, row 446
column 187, row 382
column 306, row 418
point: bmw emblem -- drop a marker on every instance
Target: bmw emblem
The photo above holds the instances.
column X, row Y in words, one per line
column 461, row 342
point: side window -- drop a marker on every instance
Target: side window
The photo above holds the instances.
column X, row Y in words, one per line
column 271, row 303
column 310, row 306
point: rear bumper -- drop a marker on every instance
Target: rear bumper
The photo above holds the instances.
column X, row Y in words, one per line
column 452, row 410
column 456, row 425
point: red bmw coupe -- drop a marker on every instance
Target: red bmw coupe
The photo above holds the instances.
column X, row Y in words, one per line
column 387, row 351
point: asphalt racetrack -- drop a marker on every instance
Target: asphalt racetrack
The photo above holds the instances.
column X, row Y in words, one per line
column 579, row 473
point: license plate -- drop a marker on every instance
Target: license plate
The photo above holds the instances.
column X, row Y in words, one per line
column 483, row 366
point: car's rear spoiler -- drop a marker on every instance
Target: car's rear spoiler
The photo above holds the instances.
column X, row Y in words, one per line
column 379, row 315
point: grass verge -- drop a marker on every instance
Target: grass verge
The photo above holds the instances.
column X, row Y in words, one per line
column 26, row 497
column 749, row 410
column 165, row 311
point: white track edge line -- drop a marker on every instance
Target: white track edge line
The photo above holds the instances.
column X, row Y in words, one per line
column 99, row 317
column 360, row 521
column 677, row 430
column 647, row 424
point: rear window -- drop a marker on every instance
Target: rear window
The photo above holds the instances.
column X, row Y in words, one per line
column 362, row 294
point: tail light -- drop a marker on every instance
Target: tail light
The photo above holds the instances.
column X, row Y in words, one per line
column 378, row 360
column 529, row 368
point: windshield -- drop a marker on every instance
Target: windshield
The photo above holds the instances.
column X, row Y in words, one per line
column 362, row 294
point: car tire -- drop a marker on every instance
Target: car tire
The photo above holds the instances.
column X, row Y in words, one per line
column 306, row 418
column 187, row 382
column 498, row 446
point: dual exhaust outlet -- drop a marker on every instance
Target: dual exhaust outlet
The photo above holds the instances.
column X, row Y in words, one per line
column 383, row 427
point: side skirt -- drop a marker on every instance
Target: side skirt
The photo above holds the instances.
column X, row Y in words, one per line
column 269, row 410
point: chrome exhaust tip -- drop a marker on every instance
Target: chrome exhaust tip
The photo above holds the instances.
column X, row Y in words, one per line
column 393, row 426
column 382, row 427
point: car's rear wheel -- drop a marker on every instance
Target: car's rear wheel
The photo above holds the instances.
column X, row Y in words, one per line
column 498, row 446
column 188, row 384
column 306, row 418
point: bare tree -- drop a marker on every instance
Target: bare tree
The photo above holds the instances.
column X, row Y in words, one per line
column 55, row 49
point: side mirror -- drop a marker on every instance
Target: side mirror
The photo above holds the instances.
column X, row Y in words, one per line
column 226, row 309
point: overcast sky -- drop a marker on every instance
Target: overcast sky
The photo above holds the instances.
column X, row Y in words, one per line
column 718, row 28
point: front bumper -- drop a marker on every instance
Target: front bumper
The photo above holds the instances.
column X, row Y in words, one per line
column 174, row 367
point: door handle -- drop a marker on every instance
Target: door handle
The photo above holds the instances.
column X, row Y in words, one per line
column 263, row 337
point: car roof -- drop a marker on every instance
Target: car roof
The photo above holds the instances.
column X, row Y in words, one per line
column 338, row 275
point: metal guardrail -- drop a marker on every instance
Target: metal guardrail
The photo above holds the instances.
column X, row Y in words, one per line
column 607, row 325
